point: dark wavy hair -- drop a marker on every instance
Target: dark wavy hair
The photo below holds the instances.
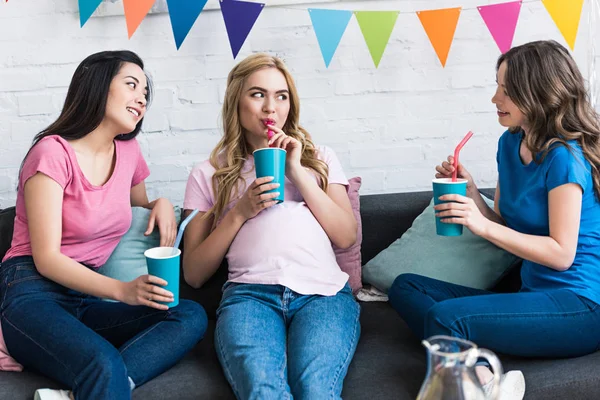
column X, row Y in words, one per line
column 85, row 104
column 544, row 82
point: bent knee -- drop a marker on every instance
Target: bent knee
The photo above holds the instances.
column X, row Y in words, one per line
column 259, row 383
column 193, row 316
column 106, row 364
column 318, row 388
column 403, row 284
column 442, row 319
column 404, row 281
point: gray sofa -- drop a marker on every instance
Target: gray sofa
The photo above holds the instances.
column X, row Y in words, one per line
column 389, row 362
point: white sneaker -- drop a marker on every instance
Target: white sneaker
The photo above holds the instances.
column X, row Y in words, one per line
column 52, row 394
column 512, row 386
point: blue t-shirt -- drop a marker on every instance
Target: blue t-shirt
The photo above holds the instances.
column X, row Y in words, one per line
column 524, row 206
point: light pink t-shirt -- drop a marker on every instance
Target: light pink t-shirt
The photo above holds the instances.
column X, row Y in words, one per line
column 282, row 245
column 94, row 218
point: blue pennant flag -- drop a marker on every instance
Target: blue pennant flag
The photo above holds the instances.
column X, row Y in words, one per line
column 183, row 14
column 239, row 17
column 329, row 26
column 86, row 9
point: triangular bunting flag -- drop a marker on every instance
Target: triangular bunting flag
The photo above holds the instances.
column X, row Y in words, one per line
column 239, row 17
column 86, row 9
column 183, row 14
column 376, row 27
column 566, row 15
column 440, row 26
column 135, row 12
column 501, row 20
column 329, row 26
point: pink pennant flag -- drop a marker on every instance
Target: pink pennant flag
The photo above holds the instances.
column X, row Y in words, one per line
column 501, row 20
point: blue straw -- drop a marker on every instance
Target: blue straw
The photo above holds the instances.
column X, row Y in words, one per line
column 182, row 228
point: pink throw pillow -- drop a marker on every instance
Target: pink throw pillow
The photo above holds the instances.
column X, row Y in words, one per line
column 7, row 363
column 349, row 259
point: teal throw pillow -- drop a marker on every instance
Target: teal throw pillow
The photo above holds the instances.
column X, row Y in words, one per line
column 467, row 260
column 127, row 262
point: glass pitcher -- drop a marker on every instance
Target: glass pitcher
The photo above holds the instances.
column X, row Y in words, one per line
column 451, row 370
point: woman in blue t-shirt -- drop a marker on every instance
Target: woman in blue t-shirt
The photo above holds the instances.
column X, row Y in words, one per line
column 546, row 212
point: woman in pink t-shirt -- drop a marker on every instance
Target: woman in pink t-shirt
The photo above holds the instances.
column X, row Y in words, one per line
column 288, row 324
column 77, row 185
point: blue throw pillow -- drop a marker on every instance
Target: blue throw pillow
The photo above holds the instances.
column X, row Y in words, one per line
column 127, row 262
column 467, row 260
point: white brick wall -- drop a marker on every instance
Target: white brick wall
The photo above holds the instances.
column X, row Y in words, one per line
column 389, row 125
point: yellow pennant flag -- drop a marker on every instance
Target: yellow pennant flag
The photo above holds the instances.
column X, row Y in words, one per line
column 566, row 15
column 440, row 26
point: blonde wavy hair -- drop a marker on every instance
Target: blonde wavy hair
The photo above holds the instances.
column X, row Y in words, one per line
column 231, row 152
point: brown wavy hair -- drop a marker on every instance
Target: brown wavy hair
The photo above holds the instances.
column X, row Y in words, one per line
column 231, row 152
column 544, row 82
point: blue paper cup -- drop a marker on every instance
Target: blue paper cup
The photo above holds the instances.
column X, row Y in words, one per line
column 163, row 262
column 270, row 161
column 441, row 187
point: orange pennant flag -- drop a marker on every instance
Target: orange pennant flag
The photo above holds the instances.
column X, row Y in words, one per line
column 135, row 12
column 440, row 26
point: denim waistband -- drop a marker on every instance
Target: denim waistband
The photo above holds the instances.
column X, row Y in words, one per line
column 18, row 260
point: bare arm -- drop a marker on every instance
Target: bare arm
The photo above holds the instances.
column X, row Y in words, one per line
column 139, row 197
column 331, row 209
column 162, row 214
column 43, row 204
column 205, row 250
column 556, row 251
column 491, row 214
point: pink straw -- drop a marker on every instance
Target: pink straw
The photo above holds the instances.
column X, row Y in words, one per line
column 456, row 151
column 270, row 133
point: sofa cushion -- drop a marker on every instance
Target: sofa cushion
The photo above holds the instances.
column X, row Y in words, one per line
column 389, row 363
column 208, row 295
column 7, row 223
column 385, row 217
column 349, row 259
column 467, row 260
column 127, row 261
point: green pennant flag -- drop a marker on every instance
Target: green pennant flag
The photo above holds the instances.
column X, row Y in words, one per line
column 376, row 27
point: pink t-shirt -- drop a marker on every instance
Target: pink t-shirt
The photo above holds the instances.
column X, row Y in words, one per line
column 282, row 245
column 94, row 218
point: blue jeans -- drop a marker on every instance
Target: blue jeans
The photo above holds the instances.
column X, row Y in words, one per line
column 553, row 324
column 90, row 346
column 274, row 343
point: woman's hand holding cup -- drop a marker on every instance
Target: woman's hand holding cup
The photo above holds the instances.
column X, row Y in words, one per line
column 143, row 291
column 255, row 200
column 446, row 168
